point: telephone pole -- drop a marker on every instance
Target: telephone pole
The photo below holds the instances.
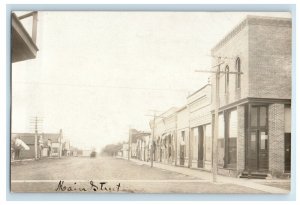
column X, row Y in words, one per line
column 35, row 121
column 216, row 127
column 216, row 115
column 152, row 136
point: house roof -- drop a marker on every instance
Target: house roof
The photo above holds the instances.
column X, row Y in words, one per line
column 139, row 135
column 54, row 137
column 28, row 138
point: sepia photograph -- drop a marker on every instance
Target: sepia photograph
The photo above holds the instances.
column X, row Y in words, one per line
column 158, row 102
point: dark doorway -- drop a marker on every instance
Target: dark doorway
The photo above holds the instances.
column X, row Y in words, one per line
column 182, row 155
column 182, row 148
column 257, row 142
column 287, row 152
column 200, row 146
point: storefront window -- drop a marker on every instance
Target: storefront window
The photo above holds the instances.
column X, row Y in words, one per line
column 226, row 79
column 208, row 140
column 287, row 119
column 182, row 136
column 253, row 140
column 195, row 143
column 183, row 143
column 232, row 138
column 287, row 138
column 238, row 70
column 221, row 141
column 263, row 116
column 253, row 116
column 221, row 127
column 263, row 141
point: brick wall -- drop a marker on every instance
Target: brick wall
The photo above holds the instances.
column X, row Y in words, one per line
column 264, row 47
column 276, row 139
column 241, row 139
column 237, row 46
column 270, row 61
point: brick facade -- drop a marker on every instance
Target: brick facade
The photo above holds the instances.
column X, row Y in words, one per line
column 237, row 47
column 241, row 139
column 276, row 139
column 263, row 46
column 270, row 59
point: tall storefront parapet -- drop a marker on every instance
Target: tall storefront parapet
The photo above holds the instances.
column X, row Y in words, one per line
column 164, row 138
column 255, row 102
column 200, row 130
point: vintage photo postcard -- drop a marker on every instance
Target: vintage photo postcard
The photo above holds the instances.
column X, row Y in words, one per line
column 151, row 102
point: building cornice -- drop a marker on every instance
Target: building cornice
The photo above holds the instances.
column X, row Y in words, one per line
column 253, row 20
column 254, row 101
column 197, row 91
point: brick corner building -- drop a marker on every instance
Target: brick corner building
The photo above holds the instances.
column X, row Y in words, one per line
column 255, row 104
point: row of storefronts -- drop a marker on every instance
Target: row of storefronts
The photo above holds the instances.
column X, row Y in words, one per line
column 254, row 125
column 183, row 136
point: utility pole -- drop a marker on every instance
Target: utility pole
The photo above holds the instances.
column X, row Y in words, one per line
column 152, row 136
column 35, row 121
column 216, row 128
column 216, row 118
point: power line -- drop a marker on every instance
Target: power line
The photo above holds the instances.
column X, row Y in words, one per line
column 102, row 86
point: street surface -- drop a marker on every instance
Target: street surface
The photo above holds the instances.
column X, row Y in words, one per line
column 105, row 174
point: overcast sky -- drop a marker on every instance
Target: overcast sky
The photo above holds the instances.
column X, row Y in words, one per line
column 98, row 73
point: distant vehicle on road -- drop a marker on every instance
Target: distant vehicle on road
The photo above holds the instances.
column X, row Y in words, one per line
column 93, row 154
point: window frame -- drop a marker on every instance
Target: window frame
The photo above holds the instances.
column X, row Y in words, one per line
column 226, row 79
column 238, row 75
column 227, row 138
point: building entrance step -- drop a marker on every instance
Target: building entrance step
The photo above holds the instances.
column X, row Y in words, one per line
column 254, row 175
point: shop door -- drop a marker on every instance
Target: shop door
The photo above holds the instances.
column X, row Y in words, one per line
column 181, row 155
column 287, row 152
column 252, row 150
column 258, row 146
